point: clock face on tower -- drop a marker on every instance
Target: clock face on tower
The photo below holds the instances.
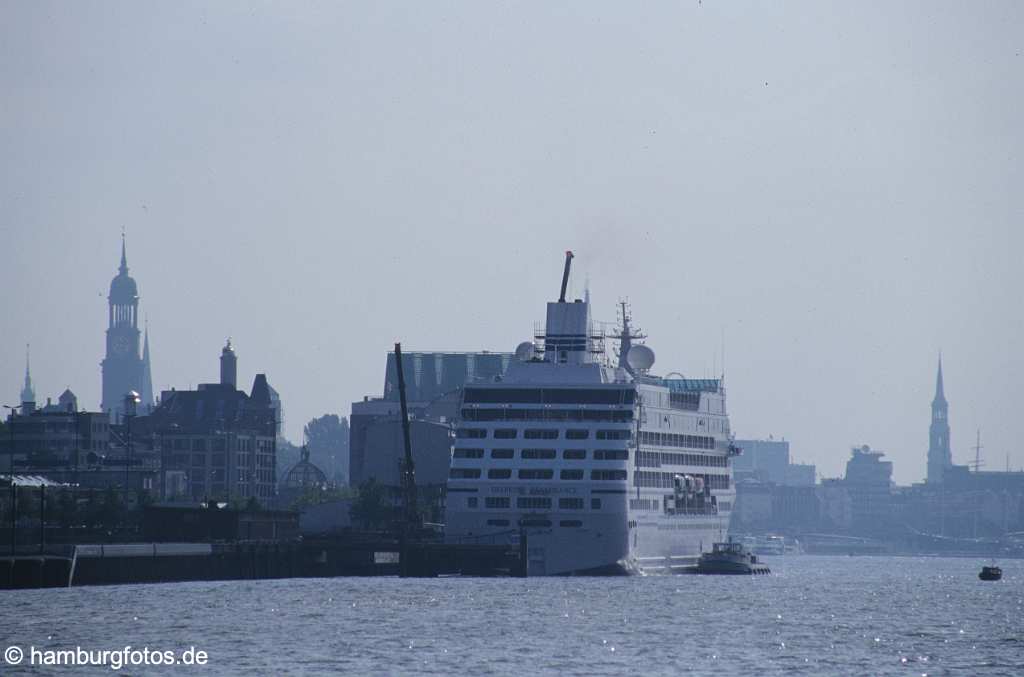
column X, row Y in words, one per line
column 121, row 344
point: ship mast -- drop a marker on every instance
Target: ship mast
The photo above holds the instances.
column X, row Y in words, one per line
column 977, row 453
column 626, row 336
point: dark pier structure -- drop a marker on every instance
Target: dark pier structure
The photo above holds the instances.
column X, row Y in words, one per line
column 360, row 555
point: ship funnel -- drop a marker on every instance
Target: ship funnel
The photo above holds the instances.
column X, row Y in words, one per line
column 565, row 276
column 568, row 335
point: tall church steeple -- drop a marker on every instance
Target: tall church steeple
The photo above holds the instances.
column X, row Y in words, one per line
column 147, row 375
column 940, row 394
column 123, row 269
column 28, row 393
column 122, row 367
column 940, row 456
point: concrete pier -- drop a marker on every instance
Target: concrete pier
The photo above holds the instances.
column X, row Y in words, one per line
column 111, row 564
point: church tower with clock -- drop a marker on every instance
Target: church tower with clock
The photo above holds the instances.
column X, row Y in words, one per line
column 123, row 368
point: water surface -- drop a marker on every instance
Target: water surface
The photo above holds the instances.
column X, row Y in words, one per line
column 813, row 616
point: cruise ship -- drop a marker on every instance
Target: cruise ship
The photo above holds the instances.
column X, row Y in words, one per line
column 601, row 465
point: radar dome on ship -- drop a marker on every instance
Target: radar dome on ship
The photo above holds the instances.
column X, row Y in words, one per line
column 640, row 357
column 525, row 351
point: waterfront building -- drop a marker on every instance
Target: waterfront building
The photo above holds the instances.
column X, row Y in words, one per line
column 434, row 383
column 762, row 460
column 278, row 407
column 214, row 442
column 753, row 509
column 432, row 375
column 862, row 501
column 778, row 508
column 769, row 461
column 963, row 507
column 968, row 504
column 796, row 508
column 868, row 481
column 836, row 506
column 57, row 436
column 79, row 448
column 123, row 368
column 431, row 454
column 961, row 477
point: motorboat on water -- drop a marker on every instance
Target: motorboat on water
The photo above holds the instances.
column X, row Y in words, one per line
column 731, row 557
column 990, row 573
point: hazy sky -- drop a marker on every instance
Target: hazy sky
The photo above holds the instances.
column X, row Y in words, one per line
column 836, row 187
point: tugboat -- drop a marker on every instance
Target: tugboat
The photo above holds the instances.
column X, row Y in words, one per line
column 730, row 558
column 992, row 573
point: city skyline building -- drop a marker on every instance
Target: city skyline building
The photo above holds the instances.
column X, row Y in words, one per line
column 215, row 442
column 433, row 390
column 868, row 480
column 769, row 461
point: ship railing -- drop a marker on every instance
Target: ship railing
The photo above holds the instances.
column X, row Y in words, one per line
column 706, row 511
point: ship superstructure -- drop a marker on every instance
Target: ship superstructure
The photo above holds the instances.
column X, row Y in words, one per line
column 603, row 467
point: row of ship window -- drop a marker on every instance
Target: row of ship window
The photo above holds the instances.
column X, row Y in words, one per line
column 645, row 459
column 550, row 395
column 655, row 504
column 655, row 459
column 531, row 503
column 546, row 454
column 677, row 440
column 535, row 474
column 542, row 434
column 645, row 504
column 664, row 480
column 503, row 414
column 532, row 522
column 646, row 437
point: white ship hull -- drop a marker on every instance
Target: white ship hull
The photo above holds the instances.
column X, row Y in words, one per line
column 666, row 543
column 605, row 544
column 599, row 547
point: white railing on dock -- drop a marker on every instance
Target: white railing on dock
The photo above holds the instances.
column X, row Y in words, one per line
column 143, row 550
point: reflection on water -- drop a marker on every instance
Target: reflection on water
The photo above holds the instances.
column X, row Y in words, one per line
column 814, row 616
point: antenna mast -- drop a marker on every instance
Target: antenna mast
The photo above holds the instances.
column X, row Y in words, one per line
column 626, row 335
column 723, row 351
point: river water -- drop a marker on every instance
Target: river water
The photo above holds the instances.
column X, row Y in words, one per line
column 813, row 616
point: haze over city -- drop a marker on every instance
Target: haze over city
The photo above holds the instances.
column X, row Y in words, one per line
column 834, row 189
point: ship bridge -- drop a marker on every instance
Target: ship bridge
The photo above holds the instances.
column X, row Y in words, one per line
column 685, row 393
